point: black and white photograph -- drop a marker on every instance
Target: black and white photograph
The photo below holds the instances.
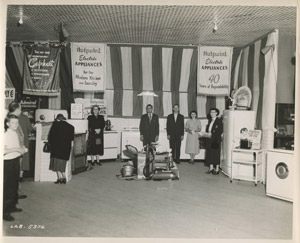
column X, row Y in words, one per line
column 146, row 121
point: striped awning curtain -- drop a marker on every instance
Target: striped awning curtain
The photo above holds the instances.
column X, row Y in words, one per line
column 170, row 72
column 249, row 69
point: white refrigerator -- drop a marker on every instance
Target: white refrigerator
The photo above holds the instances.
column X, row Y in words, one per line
column 233, row 122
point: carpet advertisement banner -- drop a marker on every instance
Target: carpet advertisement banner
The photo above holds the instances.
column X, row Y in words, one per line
column 41, row 71
column 88, row 67
column 214, row 69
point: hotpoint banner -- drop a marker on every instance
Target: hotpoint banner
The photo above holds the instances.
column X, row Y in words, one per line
column 41, row 71
column 214, row 69
column 88, row 66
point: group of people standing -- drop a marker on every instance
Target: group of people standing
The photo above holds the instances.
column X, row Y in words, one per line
column 149, row 133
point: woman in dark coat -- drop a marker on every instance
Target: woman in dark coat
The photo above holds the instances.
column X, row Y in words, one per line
column 60, row 137
column 214, row 129
column 96, row 126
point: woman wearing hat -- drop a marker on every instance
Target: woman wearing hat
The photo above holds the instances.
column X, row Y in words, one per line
column 60, row 138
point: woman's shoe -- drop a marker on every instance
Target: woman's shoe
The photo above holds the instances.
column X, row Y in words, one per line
column 58, row 181
column 210, row 172
column 98, row 163
column 216, row 172
column 63, row 181
column 21, row 179
column 93, row 163
column 192, row 161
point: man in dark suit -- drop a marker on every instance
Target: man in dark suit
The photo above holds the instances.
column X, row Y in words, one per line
column 149, row 126
column 175, row 132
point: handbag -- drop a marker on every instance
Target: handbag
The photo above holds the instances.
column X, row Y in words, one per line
column 47, row 147
column 98, row 141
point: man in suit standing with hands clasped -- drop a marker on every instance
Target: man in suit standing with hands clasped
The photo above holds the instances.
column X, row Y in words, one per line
column 149, row 126
column 175, row 132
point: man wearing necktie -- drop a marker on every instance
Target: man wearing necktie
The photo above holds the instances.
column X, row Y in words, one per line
column 149, row 126
column 175, row 132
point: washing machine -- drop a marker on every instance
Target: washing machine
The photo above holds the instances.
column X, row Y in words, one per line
column 279, row 182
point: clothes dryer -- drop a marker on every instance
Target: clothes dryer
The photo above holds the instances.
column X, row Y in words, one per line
column 280, row 174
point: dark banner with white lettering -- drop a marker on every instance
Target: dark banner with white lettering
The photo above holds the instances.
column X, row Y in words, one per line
column 41, row 71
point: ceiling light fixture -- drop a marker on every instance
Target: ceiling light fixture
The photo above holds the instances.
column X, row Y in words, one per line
column 147, row 93
column 215, row 27
column 20, row 22
column 63, row 34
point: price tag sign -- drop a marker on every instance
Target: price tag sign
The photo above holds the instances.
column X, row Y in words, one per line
column 10, row 93
column 214, row 69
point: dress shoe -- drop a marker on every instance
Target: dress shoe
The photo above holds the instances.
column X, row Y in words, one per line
column 63, row 181
column 8, row 217
column 22, row 196
column 177, row 162
column 15, row 210
column 58, row 181
column 216, row 172
column 21, row 179
column 98, row 163
column 209, row 172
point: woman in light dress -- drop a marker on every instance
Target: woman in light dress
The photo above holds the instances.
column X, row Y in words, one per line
column 192, row 127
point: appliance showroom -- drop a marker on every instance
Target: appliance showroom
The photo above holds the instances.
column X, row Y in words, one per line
column 171, row 121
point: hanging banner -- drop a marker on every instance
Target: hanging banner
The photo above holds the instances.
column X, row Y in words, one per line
column 214, row 69
column 41, row 71
column 88, row 67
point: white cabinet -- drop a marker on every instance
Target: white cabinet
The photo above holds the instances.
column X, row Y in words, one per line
column 246, row 164
column 110, row 145
column 233, row 122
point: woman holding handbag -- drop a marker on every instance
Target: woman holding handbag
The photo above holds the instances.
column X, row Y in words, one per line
column 60, row 138
column 214, row 130
column 96, row 126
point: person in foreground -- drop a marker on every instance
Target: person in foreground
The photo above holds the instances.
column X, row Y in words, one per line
column 60, row 137
column 214, row 130
column 12, row 152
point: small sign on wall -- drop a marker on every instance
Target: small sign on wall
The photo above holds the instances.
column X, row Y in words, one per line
column 10, row 93
column 76, row 111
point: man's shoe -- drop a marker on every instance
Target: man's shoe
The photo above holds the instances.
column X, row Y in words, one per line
column 8, row 217
column 15, row 210
column 22, row 196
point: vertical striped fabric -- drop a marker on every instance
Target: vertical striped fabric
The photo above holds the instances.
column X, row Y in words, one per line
column 171, row 73
column 255, row 70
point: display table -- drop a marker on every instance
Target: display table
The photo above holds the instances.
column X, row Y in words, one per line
column 246, row 165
